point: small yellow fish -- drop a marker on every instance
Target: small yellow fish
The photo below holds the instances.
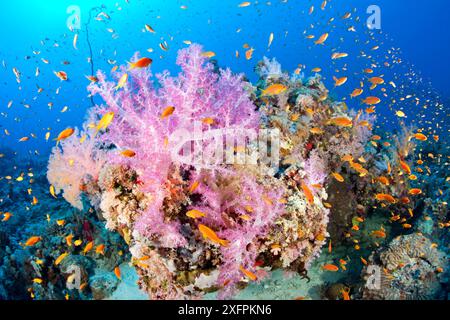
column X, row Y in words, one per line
column 195, row 214
column 52, row 191
column 61, row 258
column 105, row 121
column 122, row 81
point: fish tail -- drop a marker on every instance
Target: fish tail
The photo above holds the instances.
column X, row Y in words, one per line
column 224, row 243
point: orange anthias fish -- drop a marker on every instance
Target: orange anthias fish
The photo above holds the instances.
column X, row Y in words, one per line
column 376, row 80
column 339, row 55
column 118, row 273
column 208, row 233
column 141, row 63
column 65, row 134
column 339, row 81
column 357, row 92
column 194, row 186
column 345, row 294
column 330, row 267
column 167, row 112
column 61, row 75
column 248, row 273
column 32, row 241
column 88, row 247
column 359, row 168
column 105, row 121
column 6, row 216
column 308, row 193
column 420, row 137
column 415, row 191
column 322, row 39
column 372, row 101
column 341, row 122
column 383, row 180
column 128, row 153
column 69, row 240
column 100, row 249
column 405, row 167
column 209, row 54
column 195, row 214
column 385, row 197
column 379, row 233
column 61, row 258
column 274, row 89
column 338, row 177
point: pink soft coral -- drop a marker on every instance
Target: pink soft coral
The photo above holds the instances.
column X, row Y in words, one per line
column 197, row 93
column 72, row 163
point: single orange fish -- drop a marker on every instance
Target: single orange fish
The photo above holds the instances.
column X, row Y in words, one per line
column 61, row 75
column 385, row 197
column 371, row 101
column 341, row 122
column 128, row 153
column 195, row 214
column 65, row 134
column 420, row 137
column 61, row 258
column 322, row 39
column 100, row 249
column 6, row 216
column 339, row 81
column 167, row 112
column 338, row 177
column 248, row 273
column 379, row 233
column 308, row 193
column 415, row 191
column 88, row 247
column 208, row 233
column 118, row 273
column 141, row 63
column 32, row 241
column 330, row 267
column 383, row 180
column 405, row 167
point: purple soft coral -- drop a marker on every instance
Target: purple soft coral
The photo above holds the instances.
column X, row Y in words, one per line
column 197, row 93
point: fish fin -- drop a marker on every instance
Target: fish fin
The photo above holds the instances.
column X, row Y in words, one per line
column 224, row 243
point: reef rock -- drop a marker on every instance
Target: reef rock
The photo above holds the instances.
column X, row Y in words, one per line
column 408, row 269
column 103, row 285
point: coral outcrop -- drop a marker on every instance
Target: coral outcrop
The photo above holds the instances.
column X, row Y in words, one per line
column 254, row 198
column 408, row 269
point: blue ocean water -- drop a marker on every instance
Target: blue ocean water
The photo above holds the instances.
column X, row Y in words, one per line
column 412, row 45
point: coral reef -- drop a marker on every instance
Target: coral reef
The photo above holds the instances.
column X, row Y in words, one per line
column 201, row 212
column 408, row 269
